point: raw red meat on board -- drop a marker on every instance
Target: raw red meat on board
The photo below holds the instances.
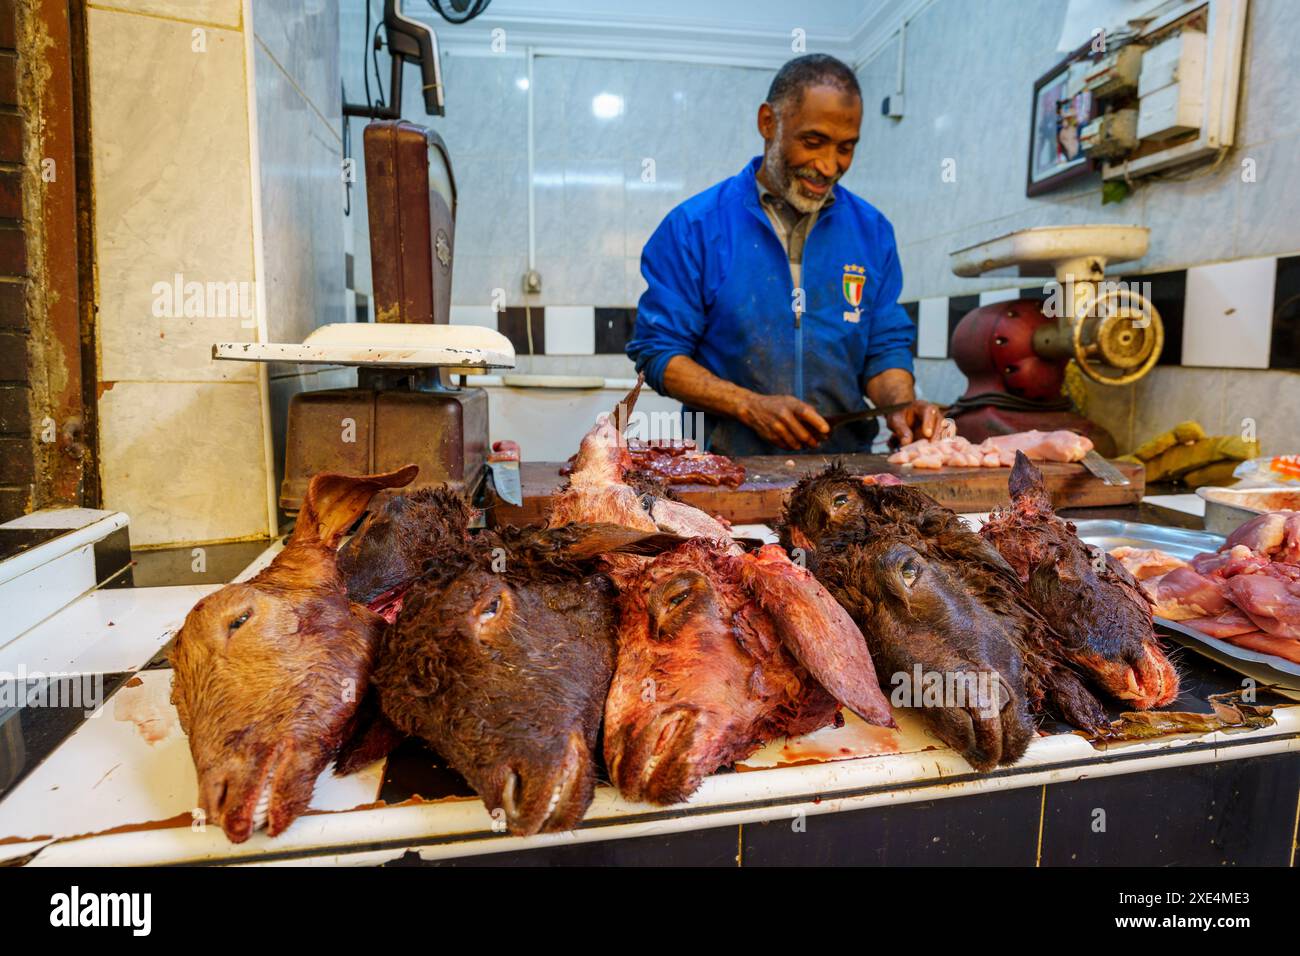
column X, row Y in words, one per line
column 678, row 462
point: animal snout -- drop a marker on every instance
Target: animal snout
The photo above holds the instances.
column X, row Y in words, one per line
column 542, row 798
column 638, row 753
column 1150, row 679
column 666, row 735
column 987, row 726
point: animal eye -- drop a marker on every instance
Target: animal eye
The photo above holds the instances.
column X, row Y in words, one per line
column 678, row 598
column 239, row 622
column 648, row 503
column 910, row 571
column 840, row 500
column 491, row 610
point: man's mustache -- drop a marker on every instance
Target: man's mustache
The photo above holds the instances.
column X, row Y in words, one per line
column 812, row 176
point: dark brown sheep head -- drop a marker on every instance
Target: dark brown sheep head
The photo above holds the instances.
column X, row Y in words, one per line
column 718, row 654
column 1100, row 611
column 268, row 673
column 826, row 504
column 941, row 649
column 505, row 678
column 500, row 659
column 937, row 605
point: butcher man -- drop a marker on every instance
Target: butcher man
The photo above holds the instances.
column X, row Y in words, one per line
column 773, row 296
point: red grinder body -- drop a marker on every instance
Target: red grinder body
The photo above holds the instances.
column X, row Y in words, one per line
column 993, row 346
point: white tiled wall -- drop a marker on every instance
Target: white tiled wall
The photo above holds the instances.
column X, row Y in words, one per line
column 181, row 441
column 970, row 66
column 1226, row 228
column 224, row 13
column 978, row 117
column 570, row 330
column 696, row 122
column 603, row 183
column 932, row 332
column 172, row 192
column 178, row 167
column 300, row 149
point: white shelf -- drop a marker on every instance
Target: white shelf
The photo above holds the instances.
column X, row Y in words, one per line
column 382, row 345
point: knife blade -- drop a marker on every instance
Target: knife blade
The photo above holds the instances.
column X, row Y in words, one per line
column 1103, row 469
column 504, row 462
column 835, row 421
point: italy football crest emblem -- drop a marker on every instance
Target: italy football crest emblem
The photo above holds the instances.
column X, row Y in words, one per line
column 855, row 280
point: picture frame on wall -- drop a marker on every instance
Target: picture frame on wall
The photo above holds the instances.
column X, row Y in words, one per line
column 1060, row 110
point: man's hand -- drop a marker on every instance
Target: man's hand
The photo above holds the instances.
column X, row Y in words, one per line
column 918, row 420
column 784, row 421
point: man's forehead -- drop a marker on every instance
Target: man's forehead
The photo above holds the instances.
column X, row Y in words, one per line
column 823, row 105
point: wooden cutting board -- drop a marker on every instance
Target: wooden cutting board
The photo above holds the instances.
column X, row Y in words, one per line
column 769, row 478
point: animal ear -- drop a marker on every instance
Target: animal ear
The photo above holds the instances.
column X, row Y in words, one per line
column 817, row 631
column 623, row 410
column 333, row 502
column 1025, row 478
column 800, row 540
column 582, row 542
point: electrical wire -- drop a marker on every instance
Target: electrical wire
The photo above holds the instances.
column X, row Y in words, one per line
column 374, row 59
column 364, row 72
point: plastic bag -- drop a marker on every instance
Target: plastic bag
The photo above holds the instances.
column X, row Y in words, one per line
column 1268, row 472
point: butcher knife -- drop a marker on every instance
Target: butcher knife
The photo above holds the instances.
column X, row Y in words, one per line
column 835, row 421
column 504, row 462
column 1103, row 469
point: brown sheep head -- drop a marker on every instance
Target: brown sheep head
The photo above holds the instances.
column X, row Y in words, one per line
column 268, row 673
column 718, row 654
column 500, row 659
column 1101, row 613
column 940, row 609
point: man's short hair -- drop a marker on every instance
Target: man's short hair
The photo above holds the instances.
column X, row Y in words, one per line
column 814, row 69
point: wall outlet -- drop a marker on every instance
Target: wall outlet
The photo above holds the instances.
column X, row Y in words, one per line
column 532, row 281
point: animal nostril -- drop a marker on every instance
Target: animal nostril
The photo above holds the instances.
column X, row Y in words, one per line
column 218, row 790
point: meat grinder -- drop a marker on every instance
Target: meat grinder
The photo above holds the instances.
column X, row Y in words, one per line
column 1014, row 354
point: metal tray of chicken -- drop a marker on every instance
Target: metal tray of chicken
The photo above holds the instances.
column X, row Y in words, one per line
column 1185, row 544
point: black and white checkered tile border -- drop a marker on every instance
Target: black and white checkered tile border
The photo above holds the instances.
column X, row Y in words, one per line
column 1239, row 314
column 556, row 329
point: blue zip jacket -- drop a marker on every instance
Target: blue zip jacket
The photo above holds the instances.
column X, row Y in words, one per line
column 720, row 292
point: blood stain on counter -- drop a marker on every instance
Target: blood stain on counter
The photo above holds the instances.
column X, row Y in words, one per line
column 149, row 707
column 855, row 739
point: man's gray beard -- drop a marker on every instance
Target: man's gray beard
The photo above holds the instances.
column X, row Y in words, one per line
column 785, row 182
